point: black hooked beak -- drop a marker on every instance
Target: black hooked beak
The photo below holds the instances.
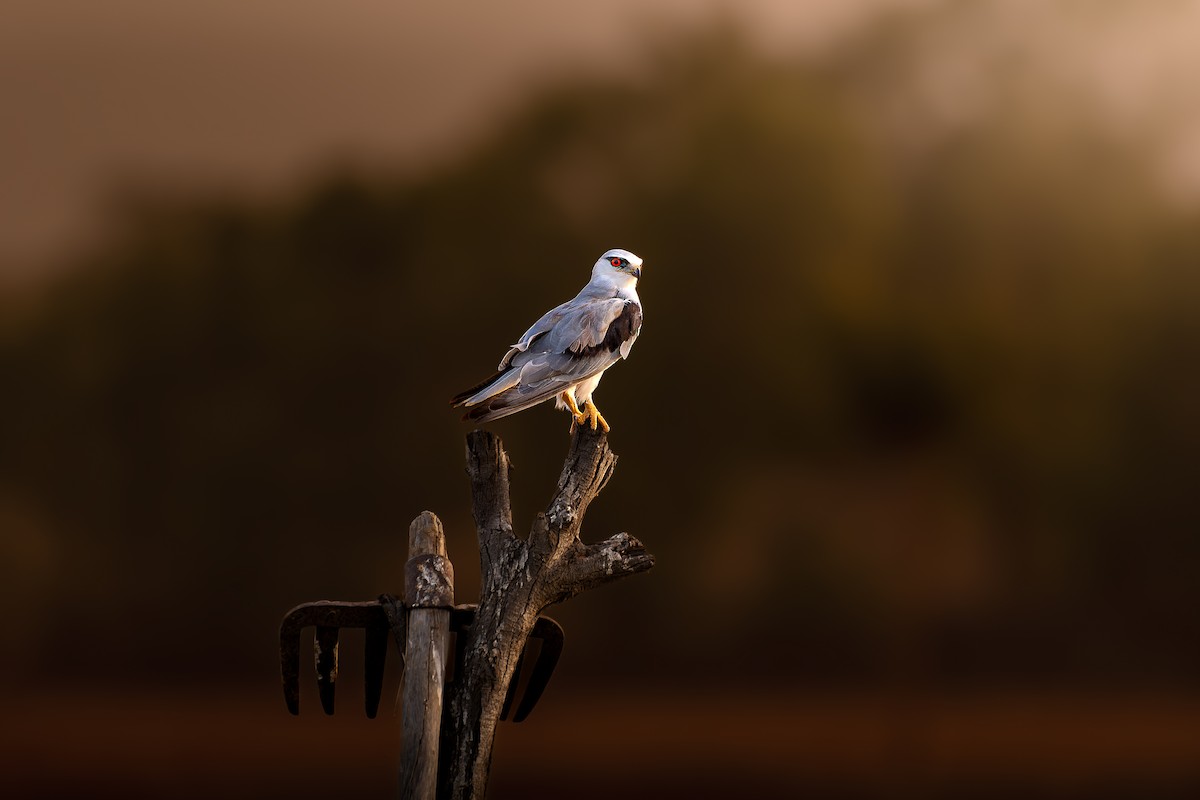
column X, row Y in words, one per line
column 637, row 272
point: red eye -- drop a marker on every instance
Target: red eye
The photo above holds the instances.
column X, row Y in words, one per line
column 616, row 262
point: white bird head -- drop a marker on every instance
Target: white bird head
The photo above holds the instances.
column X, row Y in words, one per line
column 618, row 267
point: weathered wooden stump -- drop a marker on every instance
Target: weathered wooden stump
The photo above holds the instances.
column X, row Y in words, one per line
column 428, row 594
column 521, row 577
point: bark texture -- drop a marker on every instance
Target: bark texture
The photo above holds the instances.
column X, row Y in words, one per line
column 428, row 593
column 520, row 578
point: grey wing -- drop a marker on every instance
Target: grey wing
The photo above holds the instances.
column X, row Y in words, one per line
column 539, row 328
column 544, row 375
column 586, row 339
column 585, row 326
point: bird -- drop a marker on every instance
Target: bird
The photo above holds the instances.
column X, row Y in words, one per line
column 565, row 353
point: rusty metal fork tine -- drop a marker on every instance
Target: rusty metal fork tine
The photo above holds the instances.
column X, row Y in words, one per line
column 396, row 620
column 551, row 634
column 375, row 661
column 327, row 664
column 328, row 617
column 387, row 616
column 512, row 685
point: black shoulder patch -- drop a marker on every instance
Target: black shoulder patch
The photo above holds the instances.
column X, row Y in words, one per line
column 620, row 330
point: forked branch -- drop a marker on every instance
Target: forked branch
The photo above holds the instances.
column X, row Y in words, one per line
column 520, row 578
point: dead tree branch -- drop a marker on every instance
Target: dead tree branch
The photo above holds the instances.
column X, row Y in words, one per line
column 520, row 578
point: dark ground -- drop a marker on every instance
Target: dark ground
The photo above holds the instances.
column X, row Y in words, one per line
column 631, row 745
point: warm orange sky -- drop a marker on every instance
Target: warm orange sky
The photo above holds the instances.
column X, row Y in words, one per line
column 254, row 94
column 257, row 94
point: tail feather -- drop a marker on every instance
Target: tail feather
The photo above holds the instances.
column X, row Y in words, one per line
column 512, row 399
column 501, row 405
column 467, row 397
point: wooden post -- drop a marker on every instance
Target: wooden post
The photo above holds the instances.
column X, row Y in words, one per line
column 521, row 577
column 428, row 593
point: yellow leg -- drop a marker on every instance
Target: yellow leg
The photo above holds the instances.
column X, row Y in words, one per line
column 593, row 415
column 569, row 400
column 577, row 416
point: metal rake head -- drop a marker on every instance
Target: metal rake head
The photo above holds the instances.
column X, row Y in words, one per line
column 387, row 615
column 328, row 617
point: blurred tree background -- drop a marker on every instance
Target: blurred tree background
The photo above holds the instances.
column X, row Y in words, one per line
column 914, row 404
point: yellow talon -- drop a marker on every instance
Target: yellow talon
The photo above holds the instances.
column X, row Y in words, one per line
column 593, row 415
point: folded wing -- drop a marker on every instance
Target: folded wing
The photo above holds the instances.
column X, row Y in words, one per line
column 567, row 345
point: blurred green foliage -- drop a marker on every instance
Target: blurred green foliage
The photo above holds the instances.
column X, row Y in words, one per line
column 904, row 404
